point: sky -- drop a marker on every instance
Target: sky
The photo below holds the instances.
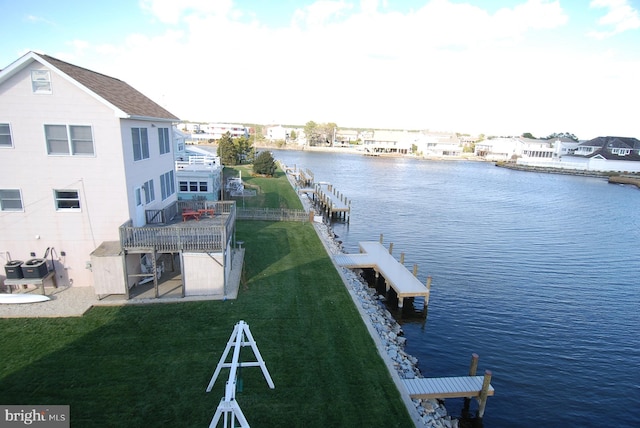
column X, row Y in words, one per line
column 492, row 67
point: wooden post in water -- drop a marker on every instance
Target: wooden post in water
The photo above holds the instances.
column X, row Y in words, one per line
column 426, row 300
column 391, row 248
column 381, row 236
column 483, row 393
column 415, row 269
column 401, row 258
column 473, row 367
column 474, row 364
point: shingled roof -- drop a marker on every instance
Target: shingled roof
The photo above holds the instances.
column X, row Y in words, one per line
column 115, row 92
column 606, row 144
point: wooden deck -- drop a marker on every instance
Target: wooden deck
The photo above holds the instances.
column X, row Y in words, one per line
column 446, row 387
column 375, row 255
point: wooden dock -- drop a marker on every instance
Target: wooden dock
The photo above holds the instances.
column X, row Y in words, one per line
column 446, row 387
column 374, row 255
column 466, row 387
column 332, row 202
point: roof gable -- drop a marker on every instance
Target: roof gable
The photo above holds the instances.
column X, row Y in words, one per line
column 125, row 99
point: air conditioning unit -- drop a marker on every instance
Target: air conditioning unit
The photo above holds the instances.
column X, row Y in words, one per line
column 35, row 268
column 13, row 269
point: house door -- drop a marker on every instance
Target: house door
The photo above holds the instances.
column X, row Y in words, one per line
column 140, row 219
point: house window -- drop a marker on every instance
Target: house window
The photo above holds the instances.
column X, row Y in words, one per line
column 163, row 138
column 193, row 186
column 10, row 200
column 167, row 185
column 41, row 81
column 74, row 140
column 67, row 200
column 149, row 192
column 140, row 143
column 5, row 135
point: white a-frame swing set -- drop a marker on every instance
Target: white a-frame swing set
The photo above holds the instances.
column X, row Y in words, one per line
column 228, row 407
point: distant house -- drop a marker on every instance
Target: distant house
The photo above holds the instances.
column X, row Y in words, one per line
column 439, row 144
column 545, row 153
column 89, row 182
column 276, row 132
column 620, row 154
column 382, row 142
column 346, row 137
column 199, row 174
column 499, row 149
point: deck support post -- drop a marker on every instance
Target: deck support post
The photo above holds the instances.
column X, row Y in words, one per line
column 154, row 266
column 400, row 302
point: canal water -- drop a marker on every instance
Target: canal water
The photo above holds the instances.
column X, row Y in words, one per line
column 536, row 273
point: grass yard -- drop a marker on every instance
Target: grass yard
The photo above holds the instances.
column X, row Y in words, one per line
column 273, row 192
column 140, row 366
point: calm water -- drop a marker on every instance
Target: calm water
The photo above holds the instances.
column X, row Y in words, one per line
column 536, row 273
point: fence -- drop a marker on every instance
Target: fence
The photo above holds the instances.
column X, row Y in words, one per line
column 272, row 214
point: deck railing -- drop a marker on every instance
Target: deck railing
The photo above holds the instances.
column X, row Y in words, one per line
column 175, row 238
column 163, row 215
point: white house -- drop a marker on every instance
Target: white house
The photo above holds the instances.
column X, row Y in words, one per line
column 217, row 130
column 199, row 174
column 276, row 132
column 499, row 149
column 87, row 167
column 610, row 153
column 389, row 142
column 438, row 144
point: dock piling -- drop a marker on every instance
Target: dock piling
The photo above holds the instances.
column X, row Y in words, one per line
column 484, row 393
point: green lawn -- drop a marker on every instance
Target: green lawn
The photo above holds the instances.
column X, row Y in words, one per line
column 273, row 192
column 139, row 366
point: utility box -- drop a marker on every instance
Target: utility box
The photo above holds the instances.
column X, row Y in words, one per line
column 35, row 268
column 13, row 269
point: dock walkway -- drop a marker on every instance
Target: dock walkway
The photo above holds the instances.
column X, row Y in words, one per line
column 374, row 255
column 466, row 387
column 446, row 387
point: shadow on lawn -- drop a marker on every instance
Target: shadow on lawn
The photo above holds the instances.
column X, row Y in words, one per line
column 149, row 365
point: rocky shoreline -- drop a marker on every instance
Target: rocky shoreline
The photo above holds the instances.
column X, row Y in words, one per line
column 385, row 331
column 390, row 339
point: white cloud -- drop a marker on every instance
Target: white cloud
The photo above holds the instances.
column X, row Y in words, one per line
column 172, row 11
column 620, row 17
column 447, row 66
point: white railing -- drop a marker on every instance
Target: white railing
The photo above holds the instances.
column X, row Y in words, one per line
column 198, row 163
